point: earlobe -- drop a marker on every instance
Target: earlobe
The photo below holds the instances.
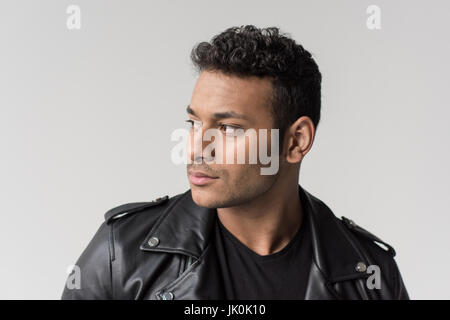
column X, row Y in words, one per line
column 304, row 135
column 299, row 139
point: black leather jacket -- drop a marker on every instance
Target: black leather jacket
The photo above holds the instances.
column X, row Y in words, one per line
column 161, row 250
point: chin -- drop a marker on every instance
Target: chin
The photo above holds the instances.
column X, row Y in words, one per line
column 204, row 198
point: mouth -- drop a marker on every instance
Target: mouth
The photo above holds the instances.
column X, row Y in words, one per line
column 200, row 178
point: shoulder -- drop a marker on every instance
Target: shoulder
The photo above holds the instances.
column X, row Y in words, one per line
column 381, row 253
column 132, row 208
column 350, row 229
column 129, row 223
column 366, row 237
column 122, row 231
column 375, row 251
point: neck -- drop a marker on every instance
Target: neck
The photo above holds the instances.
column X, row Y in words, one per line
column 268, row 222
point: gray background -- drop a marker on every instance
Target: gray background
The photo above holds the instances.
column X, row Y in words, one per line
column 86, row 118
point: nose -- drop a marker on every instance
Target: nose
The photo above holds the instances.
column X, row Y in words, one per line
column 196, row 147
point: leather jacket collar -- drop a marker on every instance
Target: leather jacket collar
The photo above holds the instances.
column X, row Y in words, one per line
column 185, row 228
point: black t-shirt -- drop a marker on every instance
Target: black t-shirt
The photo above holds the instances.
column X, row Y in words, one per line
column 248, row 275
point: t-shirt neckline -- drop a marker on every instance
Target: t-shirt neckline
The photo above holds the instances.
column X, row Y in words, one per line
column 271, row 256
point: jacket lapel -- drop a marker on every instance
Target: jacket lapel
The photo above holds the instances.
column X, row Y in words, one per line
column 186, row 228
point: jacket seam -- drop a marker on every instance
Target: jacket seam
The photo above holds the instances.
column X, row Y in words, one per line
column 396, row 284
column 168, row 250
column 174, row 282
column 182, row 266
column 195, row 263
column 112, row 257
column 363, row 291
column 330, row 287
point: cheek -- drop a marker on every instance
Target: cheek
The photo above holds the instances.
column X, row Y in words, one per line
column 235, row 150
column 240, row 176
column 245, row 149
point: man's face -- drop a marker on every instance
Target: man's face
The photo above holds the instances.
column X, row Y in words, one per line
column 227, row 103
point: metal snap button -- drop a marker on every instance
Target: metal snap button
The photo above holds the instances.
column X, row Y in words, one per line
column 361, row 267
column 167, row 295
column 153, row 241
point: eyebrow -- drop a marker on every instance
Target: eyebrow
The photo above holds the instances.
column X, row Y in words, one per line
column 220, row 115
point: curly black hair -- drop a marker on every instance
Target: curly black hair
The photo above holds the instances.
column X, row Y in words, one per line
column 250, row 51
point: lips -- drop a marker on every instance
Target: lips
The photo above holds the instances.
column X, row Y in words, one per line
column 200, row 177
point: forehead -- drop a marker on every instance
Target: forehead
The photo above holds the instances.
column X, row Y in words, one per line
column 215, row 90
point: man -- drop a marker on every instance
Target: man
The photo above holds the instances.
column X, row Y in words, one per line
column 238, row 233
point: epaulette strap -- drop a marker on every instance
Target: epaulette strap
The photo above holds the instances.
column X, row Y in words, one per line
column 353, row 226
column 128, row 208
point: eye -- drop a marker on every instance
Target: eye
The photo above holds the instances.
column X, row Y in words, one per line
column 229, row 129
column 194, row 124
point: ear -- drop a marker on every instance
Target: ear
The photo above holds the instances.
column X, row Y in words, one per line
column 299, row 139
